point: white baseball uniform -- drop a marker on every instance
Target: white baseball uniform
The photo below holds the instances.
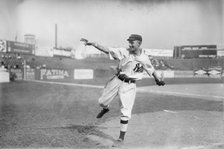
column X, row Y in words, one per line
column 132, row 66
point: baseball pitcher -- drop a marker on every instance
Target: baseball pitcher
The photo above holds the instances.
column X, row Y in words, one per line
column 132, row 63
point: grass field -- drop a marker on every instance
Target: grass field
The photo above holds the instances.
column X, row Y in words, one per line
column 50, row 115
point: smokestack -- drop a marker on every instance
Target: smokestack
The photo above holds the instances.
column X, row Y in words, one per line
column 56, row 35
column 222, row 24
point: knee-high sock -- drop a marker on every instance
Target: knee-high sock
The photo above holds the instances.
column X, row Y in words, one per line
column 123, row 129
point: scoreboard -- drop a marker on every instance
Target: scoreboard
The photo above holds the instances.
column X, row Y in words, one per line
column 195, row 51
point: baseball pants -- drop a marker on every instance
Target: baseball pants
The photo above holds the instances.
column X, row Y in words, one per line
column 126, row 92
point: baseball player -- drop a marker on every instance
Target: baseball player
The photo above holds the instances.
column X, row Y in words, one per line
column 132, row 63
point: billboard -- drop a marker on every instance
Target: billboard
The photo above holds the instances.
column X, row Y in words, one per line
column 195, row 51
column 60, row 52
column 220, row 53
column 3, row 46
column 83, row 74
column 19, row 47
column 52, row 74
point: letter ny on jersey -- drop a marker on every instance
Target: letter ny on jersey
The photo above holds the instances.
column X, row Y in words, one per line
column 130, row 64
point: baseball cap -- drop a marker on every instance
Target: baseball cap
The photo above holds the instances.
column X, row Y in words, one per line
column 133, row 37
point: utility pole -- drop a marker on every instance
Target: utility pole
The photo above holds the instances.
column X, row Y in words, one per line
column 56, row 32
column 24, row 69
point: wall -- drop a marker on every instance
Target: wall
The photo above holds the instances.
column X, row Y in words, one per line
column 4, row 75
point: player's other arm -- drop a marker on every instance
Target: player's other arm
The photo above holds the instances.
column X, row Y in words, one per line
column 152, row 72
column 159, row 80
column 96, row 45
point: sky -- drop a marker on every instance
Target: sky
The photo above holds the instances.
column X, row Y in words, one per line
column 163, row 24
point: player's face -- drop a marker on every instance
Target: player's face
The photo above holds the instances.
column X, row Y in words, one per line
column 134, row 45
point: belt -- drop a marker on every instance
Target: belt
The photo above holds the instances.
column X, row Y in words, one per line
column 125, row 79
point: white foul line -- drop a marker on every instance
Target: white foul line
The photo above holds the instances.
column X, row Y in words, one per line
column 181, row 94
column 69, row 84
column 139, row 90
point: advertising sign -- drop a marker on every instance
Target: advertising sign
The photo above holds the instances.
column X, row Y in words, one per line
column 19, row 47
column 3, row 46
column 209, row 72
column 19, row 73
column 53, row 74
column 30, row 74
column 220, row 53
column 83, row 74
column 62, row 52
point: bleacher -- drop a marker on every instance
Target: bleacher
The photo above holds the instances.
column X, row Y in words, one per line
column 106, row 63
column 192, row 64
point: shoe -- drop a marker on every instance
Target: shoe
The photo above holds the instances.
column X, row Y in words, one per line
column 102, row 112
column 118, row 143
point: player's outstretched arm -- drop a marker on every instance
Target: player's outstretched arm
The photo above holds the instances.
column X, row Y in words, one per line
column 96, row 45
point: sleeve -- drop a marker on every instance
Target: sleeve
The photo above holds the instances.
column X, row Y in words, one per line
column 148, row 66
column 117, row 53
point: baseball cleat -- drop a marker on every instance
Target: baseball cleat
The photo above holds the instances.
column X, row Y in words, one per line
column 102, row 112
column 118, row 143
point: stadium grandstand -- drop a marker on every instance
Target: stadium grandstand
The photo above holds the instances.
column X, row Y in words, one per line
column 20, row 58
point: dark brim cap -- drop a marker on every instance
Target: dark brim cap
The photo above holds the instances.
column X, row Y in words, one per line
column 133, row 37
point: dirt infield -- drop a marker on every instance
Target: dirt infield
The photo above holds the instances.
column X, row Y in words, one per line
column 37, row 115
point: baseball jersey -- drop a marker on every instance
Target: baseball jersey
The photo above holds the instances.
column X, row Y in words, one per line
column 131, row 65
